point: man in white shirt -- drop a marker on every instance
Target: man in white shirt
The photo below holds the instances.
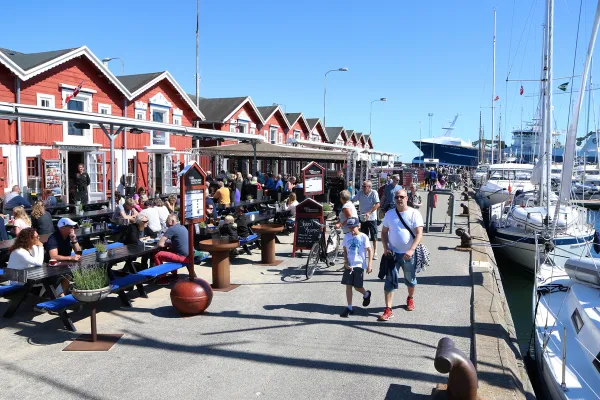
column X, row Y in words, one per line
column 153, row 217
column 368, row 202
column 401, row 240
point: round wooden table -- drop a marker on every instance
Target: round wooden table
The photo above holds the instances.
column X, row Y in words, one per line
column 219, row 262
column 267, row 240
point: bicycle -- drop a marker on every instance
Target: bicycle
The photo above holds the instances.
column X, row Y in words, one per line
column 324, row 249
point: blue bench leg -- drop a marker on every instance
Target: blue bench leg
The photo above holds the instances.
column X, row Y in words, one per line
column 246, row 249
column 64, row 317
column 131, row 267
column 16, row 301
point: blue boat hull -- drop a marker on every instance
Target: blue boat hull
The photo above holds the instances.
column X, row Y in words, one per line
column 447, row 154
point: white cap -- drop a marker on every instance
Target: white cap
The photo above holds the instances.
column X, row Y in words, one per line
column 66, row 222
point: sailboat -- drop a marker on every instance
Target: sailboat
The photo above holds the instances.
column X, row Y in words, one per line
column 562, row 226
column 567, row 298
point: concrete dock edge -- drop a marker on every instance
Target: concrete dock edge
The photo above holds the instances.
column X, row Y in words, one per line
column 495, row 353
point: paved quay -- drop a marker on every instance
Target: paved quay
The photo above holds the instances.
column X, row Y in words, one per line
column 276, row 336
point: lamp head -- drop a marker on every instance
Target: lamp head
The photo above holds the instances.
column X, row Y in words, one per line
column 343, row 69
column 383, row 99
column 135, row 131
column 81, row 125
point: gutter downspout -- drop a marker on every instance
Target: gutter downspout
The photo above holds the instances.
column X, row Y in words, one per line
column 19, row 142
column 124, row 164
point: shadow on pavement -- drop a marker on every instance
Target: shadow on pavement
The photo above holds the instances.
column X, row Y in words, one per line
column 404, row 392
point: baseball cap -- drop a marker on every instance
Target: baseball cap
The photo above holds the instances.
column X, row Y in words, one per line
column 351, row 222
column 66, row 222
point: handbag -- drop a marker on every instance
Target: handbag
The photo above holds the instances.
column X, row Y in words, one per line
column 422, row 259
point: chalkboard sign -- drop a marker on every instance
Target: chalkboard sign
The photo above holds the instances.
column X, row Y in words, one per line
column 306, row 231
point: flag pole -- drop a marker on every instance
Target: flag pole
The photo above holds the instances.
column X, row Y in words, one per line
column 197, row 75
column 493, row 87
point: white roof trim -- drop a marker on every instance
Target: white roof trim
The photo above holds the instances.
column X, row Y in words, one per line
column 166, row 75
column 329, row 145
column 247, row 100
column 282, row 113
column 11, row 65
column 72, row 87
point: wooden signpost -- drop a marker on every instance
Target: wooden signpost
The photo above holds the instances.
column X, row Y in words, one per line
column 192, row 203
column 306, row 232
column 314, row 179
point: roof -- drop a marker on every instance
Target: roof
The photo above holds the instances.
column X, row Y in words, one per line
column 27, row 61
column 135, row 82
column 333, row 133
column 349, row 133
column 292, row 117
column 219, row 109
column 270, row 151
column 312, row 122
column 268, row 111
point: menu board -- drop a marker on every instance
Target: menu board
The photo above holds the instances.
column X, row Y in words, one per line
column 194, row 204
column 307, row 232
column 313, row 185
column 53, row 176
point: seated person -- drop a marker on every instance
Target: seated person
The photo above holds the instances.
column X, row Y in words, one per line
column 136, row 203
column 178, row 247
column 27, row 251
column 125, row 211
column 61, row 243
column 223, row 195
column 50, row 199
column 22, row 220
column 14, row 199
column 170, row 203
column 153, row 217
column 41, row 219
column 119, row 199
column 136, row 231
column 255, row 181
column 163, row 213
column 289, row 205
column 242, row 223
column 228, row 229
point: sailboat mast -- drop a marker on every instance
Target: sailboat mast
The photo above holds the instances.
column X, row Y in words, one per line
column 521, row 153
column 493, row 86
column 480, row 140
column 548, row 155
column 500, row 137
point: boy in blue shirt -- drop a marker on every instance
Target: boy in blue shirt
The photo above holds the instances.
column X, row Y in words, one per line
column 357, row 256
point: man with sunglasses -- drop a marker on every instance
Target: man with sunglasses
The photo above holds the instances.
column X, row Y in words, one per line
column 389, row 191
column 401, row 234
column 368, row 202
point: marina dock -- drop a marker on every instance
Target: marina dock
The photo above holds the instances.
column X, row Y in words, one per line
column 280, row 335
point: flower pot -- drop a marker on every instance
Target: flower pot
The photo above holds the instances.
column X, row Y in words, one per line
column 86, row 229
column 102, row 256
column 90, row 296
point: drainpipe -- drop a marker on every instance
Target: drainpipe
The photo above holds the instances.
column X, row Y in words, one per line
column 124, row 133
column 19, row 142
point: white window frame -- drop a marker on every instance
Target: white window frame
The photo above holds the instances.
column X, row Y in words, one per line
column 253, row 131
column 297, row 134
column 86, row 98
column 231, row 127
column 165, row 111
column 242, row 126
column 104, row 107
column 48, row 97
column 266, row 133
column 280, row 137
column 176, row 120
column 139, row 114
column 273, row 135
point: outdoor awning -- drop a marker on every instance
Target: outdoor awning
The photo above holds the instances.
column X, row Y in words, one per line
column 274, row 151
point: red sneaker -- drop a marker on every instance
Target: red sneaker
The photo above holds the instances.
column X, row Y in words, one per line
column 387, row 314
column 410, row 304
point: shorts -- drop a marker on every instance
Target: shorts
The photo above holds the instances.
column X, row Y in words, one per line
column 353, row 277
column 369, row 228
column 409, row 269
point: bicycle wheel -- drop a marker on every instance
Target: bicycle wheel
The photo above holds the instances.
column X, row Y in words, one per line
column 333, row 245
column 313, row 260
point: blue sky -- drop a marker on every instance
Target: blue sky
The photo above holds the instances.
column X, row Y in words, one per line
column 425, row 56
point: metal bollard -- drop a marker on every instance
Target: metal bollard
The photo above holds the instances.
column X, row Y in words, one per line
column 465, row 239
column 429, row 210
column 462, row 378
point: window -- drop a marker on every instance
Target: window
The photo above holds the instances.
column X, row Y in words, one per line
column 131, row 166
column 32, row 167
column 242, row 127
column 297, row 134
column 577, row 321
column 159, row 138
column 266, row 133
column 75, row 105
column 104, row 109
column 231, row 127
column 280, row 137
column 45, row 100
column 176, row 120
column 253, row 131
column 273, row 135
column 140, row 115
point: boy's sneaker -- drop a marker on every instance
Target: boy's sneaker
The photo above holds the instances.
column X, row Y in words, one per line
column 375, row 256
column 367, row 300
column 387, row 314
column 410, row 304
column 346, row 312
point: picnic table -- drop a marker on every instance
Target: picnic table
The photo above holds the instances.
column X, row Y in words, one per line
column 90, row 205
column 245, row 203
column 51, row 208
column 94, row 215
column 47, row 275
column 6, row 244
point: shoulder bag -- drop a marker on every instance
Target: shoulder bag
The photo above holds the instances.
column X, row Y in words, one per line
column 422, row 259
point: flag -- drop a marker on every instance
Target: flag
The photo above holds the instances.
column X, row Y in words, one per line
column 521, row 90
column 563, row 87
column 75, row 93
column 497, row 98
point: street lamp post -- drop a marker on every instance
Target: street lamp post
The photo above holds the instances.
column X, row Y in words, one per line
column 106, row 60
column 371, row 112
column 325, row 94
